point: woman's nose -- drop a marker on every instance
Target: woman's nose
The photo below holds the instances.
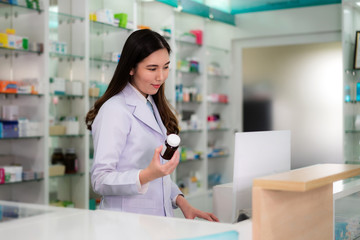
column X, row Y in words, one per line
column 160, row 75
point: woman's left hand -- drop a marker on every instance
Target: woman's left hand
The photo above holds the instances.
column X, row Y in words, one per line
column 190, row 212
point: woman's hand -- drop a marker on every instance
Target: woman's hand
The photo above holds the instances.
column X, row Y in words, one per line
column 156, row 169
column 190, row 212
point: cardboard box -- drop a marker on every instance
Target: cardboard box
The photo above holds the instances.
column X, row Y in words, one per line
column 8, row 86
column 57, row 130
column 94, row 92
column 56, row 170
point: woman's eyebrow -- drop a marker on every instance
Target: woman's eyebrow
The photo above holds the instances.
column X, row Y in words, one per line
column 155, row 65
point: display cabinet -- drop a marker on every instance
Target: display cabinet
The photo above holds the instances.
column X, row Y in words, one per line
column 22, row 103
column 198, row 87
column 346, row 211
column 351, row 75
column 67, row 159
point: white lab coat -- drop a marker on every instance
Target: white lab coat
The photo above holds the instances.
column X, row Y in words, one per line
column 125, row 135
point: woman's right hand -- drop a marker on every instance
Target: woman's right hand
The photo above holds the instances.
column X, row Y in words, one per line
column 156, row 169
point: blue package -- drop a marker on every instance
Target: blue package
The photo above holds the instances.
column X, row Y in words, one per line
column 347, row 93
column 10, row 129
column 358, row 91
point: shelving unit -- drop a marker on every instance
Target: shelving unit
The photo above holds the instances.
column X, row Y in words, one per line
column 85, row 52
column 351, row 76
column 197, row 134
column 67, row 21
column 29, row 151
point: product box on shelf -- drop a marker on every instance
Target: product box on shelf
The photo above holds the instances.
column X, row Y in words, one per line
column 121, row 18
column 74, row 88
column 57, row 130
column 8, row 86
column 57, row 86
column 2, row 175
column 10, row 112
column 56, row 170
column 29, row 128
column 105, row 16
column 94, row 91
column 13, row 173
column 10, row 129
column 72, row 127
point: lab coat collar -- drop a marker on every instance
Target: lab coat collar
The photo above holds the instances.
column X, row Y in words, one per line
column 142, row 111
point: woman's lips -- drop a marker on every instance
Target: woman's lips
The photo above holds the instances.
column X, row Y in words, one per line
column 156, row 86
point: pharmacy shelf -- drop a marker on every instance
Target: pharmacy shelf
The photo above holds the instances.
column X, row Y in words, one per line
column 218, row 130
column 105, row 28
column 68, row 136
column 22, row 182
column 68, row 175
column 8, row 9
column 64, row 17
column 68, row 96
column 219, row 156
column 20, row 95
column 69, row 57
column 21, row 138
column 6, row 52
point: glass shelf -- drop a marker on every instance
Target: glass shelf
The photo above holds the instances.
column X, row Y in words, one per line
column 188, row 43
column 27, row 181
column 69, row 175
column 190, row 102
column 66, row 95
column 21, row 94
column 68, row 136
column 218, row 49
column 218, row 130
column 7, row 9
column 103, row 61
column 19, row 138
column 352, row 131
column 9, row 51
column 190, row 160
column 68, row 56
column 101, row 28
column 64, row 17
column 219, row 156
column 218, row 103
column 191, row 131
column 215, row 76
column 186, row 72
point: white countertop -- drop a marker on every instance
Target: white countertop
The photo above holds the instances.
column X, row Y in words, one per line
column 63, row 223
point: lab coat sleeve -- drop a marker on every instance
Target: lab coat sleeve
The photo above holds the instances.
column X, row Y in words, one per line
column 175, row 192
column 109, row 130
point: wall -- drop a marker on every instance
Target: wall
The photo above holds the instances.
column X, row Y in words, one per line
column 304, row 82
column 311, row 25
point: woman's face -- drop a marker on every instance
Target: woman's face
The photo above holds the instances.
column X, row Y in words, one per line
column 151, row 72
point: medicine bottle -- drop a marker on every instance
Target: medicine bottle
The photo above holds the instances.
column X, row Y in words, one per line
column 70, row 161
column 171, row 144
column 57, row 156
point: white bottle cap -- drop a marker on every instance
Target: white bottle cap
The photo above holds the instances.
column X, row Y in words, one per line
column 173, row 140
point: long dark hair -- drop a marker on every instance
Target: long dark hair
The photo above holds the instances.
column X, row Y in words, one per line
column 139, row 45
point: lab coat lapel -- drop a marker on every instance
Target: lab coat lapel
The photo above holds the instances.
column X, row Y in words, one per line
column 141, row 111
column 161, row 125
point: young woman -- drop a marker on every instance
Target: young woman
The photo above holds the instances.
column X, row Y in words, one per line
column 129, row 124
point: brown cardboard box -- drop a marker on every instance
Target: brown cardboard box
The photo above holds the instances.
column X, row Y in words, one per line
column 56, row 170
column 57, row 130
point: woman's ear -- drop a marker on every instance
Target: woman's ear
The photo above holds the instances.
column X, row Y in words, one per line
column 132, row 72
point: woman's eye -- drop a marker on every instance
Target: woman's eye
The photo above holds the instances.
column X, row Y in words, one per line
column 152, row 69
column 166, row 67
